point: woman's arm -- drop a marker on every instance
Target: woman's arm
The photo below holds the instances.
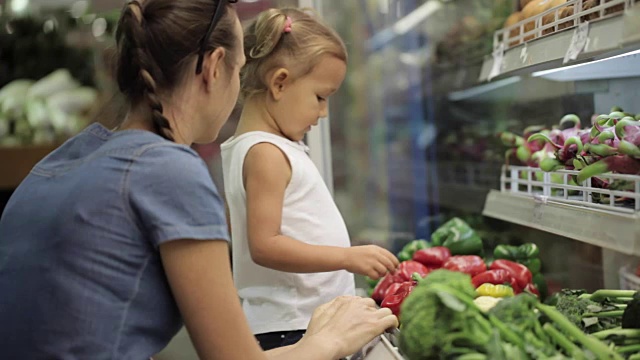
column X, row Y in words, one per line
column 266, row 175
column 199, row 274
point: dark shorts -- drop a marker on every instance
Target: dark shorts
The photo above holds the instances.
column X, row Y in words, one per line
column 274, row 340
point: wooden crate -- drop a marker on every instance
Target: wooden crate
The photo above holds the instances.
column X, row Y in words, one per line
column 16, row 162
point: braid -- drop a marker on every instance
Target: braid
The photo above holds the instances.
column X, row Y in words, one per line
column 160, row 123
column 143, row 67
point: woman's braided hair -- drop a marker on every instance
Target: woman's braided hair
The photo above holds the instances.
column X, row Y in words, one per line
column 156, row 39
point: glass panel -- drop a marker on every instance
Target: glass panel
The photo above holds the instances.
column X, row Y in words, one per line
column 416, row 133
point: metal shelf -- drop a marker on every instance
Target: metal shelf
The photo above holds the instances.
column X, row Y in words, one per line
column 531, row 198
column 607, row 37
column 618, row 232
column 381, row 348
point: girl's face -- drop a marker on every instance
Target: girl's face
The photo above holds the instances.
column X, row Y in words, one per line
column 303, row 101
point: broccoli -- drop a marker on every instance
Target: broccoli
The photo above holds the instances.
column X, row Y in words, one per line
column 439, row 317
column 573, row 307
column 519, row 316
column 587, row 314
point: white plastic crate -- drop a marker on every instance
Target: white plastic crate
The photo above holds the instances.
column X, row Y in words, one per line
column 628, row 278
column 602, row 11
column 534, row 183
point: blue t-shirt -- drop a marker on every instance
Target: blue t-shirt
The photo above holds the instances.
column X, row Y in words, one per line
column 80, row 272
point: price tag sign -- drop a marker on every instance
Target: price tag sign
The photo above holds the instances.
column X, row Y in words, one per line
column 578, row 42
column 498, row 59
column 524, row 54
column 538, row 208
column 538, row 212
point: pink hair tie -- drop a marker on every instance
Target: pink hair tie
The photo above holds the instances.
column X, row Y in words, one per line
column 287, row 25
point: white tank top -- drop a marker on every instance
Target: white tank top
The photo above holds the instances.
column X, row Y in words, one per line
column 274, row 300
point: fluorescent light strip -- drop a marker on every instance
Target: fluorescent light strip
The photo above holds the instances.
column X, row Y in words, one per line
column 565, row 68
column 414, row 18
column 482, row 89
column 404, row 25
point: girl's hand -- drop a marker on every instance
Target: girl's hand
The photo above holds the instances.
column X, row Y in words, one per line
column 347, row 324
column 370, row 260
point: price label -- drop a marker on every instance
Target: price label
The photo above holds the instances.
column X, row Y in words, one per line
column 498, row 59
column 538, row 208
column 538, row 212
column 578, row 42
column 524, row 54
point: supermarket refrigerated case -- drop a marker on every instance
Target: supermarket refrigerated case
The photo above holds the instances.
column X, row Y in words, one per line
column 431, row 85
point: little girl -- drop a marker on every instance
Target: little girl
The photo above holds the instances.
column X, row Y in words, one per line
column 291, row 248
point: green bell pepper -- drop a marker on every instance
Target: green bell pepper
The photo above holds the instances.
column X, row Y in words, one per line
column 534, row 265
column 464, row 243
column 528, row 251
column 440, row 235
column 513, row 253
column 539, row 281
column 488, row 260
column 506, row 252
column 408, row 250
column 459, row 237
column 372, row 283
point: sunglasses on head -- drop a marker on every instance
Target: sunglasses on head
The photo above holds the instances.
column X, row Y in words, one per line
column 217, row 14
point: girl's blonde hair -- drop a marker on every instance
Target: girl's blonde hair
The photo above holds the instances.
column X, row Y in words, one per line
column 285, row 38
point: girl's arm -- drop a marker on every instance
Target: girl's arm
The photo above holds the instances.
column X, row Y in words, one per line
column 266, row 174
column 199, row 274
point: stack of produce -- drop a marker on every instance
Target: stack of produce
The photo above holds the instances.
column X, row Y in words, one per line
column 611, row 145
column 44, row 111
column 455, row 246
column 533, row 8
column 441, row 320
column 527, row 255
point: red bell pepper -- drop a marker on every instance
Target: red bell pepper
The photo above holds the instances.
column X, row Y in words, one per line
column 407, row 268
column 393, row 301
column 532, row 289
column 433, row 258
column 520, row 273
column 495, row 277
column 380, row 291
column 392, row 288
column 468, row 264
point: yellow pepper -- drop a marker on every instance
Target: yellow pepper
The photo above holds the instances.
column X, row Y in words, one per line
column 497, row 291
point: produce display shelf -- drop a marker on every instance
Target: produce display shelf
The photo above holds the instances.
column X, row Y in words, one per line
column 608, row 35
column 549, row 202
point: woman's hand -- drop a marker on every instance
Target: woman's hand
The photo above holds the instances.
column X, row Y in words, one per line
column 346, row 324
column 199, row 274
